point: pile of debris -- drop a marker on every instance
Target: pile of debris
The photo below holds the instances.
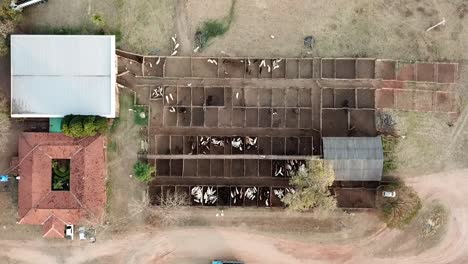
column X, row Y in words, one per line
column 386, row 122
column 309, row 42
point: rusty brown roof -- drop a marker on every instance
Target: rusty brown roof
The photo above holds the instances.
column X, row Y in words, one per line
column 37, row 203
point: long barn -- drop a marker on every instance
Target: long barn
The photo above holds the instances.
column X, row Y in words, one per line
column 57, row 75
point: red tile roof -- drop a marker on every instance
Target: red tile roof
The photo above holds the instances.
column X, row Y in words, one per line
column 38, row 204
column 53, row 227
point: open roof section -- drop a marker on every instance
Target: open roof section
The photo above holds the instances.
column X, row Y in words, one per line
column 57, row 75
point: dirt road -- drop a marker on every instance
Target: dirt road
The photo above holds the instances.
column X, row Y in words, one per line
column 199, row 245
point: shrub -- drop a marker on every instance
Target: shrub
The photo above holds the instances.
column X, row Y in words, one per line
column 98, row 21
column 389, row 149
column 115, row 124
column 311, row 184
column 399, row 211
column 60, row 175
column 8, row 21
column 141, row 115
column 214, row 28
column 83, row 126
column 143, row 171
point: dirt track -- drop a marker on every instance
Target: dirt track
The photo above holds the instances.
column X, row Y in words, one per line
column 198, row 245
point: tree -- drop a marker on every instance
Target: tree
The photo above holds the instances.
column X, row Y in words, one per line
column 83, row 126
column 311, row 184
column 400, row 210
column 143, row 171
column 8, row 20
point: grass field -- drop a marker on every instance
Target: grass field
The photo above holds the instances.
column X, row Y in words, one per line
column 144, row 25
column 365, row 28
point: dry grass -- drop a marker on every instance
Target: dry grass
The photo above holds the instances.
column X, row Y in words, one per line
column 171, row 210
column 123, row 192
column 146, row 26
column 5, row 124
column 374, row 28
column 423, row 233
column 423, row 148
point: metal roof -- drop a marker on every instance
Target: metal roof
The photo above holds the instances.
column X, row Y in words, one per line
column 355, row 158
column 57, row 75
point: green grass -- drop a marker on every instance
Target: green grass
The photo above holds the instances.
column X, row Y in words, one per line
column 115, row 125
column 97, row 26
column 109, row 194
column 214, row 28
column 137, row 117
column 112, row 147
column 389, row 146
column 398, row 212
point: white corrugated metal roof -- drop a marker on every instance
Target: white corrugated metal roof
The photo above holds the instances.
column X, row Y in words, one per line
column 57, row 75
column 355, row 158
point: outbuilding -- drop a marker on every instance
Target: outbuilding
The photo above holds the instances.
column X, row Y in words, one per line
column 57, row 75
column 355, row 158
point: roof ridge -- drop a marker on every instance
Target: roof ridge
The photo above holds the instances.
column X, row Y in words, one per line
column 23, row 135
column 39, row 147
column 40, row 201
column 84, row 207
column 77, row 151
column 59, row 218
column 77, row 200
column 52, row 228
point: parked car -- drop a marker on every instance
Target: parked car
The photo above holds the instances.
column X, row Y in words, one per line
column 69, row 232
column 82, row 233
column 390, row 194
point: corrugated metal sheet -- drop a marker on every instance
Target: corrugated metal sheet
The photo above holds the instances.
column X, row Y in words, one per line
column 56, row 75
column 355, row 158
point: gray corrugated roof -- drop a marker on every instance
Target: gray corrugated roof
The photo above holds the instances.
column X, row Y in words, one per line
column 57, row 75
column 355, row 158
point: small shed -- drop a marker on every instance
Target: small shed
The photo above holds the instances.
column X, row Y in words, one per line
column 355, row 158
column 55, row 125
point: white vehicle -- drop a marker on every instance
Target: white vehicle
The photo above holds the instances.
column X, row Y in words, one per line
column 18, row 5
column 82, row 233
column 389, row 194
column 69, row 232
